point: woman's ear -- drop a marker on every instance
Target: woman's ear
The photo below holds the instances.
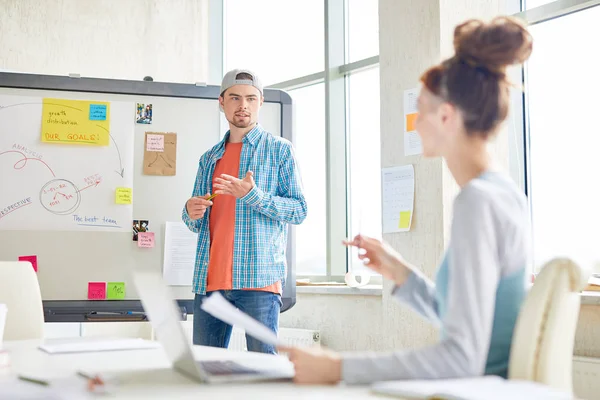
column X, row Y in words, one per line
column 449, row 115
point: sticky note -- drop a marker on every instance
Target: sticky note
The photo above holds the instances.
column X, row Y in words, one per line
column 404, row 222
column 115, row 290
column 123, row 195
column 155, row 142
column 410, row 121
column 96, row 290
column 98, row 112
column 75, row 122
column 146, row 239
column 31, row 259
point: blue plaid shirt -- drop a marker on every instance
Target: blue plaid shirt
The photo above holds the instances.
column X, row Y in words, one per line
column 261, row 217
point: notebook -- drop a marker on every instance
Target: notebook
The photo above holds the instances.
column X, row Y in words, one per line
column 57, row 346
column 479, row 388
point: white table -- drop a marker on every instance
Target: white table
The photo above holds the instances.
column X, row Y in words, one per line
column 146, row 374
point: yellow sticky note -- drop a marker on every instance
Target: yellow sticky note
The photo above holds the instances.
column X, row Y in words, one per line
column 76, row 122
column 404, row 222
column 123, row 195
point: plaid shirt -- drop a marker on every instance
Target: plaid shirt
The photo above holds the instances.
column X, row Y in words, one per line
column 261, row 217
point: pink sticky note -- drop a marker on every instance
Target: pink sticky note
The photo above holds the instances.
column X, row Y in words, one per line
column 146, row 239
column 96, row 290
column 31, row 259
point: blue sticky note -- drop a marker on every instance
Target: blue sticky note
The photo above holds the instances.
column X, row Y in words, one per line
column 98, row 112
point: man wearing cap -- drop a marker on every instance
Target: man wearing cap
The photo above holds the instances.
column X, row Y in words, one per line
column 242, row 231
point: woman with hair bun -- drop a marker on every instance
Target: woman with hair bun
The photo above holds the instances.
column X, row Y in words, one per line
column 481, row 281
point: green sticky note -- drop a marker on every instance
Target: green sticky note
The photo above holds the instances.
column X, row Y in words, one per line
column 115, row 290
column 404, row 222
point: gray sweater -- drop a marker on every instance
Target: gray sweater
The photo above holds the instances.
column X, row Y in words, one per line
column 475, row 301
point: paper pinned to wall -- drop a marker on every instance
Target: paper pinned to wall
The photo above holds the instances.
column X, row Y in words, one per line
column 75, row 122
column 180, row 254
column 412, row 140
column 146, row 239
column 160, row 153
column 398, row 186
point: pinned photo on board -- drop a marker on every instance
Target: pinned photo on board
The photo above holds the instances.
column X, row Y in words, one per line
column 143, row 113
column 139, row 225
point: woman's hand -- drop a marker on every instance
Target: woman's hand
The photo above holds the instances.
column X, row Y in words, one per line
column 381, row 258
column 314, row 365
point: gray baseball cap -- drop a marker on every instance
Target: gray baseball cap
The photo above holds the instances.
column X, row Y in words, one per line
column 230, row 80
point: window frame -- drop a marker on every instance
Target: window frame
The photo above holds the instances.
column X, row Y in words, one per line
column 335, row 74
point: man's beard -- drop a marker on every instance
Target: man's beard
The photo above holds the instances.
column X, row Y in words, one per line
column 241, row 123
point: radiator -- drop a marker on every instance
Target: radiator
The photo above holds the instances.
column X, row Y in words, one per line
column 586, row 374
column 289, row 336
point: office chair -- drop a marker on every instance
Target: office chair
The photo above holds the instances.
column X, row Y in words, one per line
column 20, row 291
column 542, row 346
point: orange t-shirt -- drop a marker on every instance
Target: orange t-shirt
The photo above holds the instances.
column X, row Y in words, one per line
column 222, row 228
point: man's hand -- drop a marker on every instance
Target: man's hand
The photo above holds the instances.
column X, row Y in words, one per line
column 196, row 206
column 314, row 365
column 233, row 186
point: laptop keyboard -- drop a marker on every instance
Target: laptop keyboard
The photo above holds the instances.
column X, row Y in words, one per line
column 226, row 368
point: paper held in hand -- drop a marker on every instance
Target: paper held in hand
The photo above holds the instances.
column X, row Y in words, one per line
column 218, row 307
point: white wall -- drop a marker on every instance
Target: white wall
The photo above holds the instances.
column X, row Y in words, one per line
column 120, row 39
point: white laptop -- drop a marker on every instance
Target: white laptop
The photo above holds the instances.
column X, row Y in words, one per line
column 162, row 311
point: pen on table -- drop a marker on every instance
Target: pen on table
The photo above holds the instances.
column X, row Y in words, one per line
column 106, row 313
column 32, row 380
column 84, row 375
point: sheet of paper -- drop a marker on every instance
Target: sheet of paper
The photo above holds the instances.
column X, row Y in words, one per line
column 412, row 140
column 96, row 290
column 398, row 186
column 123, row 195
column 31, row 259
column 146, row 239
column 180, row 254
column 218, row 307
column 115, row 290
column 75, row 122
column 160, row 154
column 480, row 388
column 80, row 345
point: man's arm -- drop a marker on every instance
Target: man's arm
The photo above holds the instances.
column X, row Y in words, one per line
column 193, row 225
column 289, row 205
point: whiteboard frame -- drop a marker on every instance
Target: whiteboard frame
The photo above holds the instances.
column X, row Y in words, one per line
column 76, row 310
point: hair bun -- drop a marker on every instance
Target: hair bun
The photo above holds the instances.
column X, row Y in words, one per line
column 495, row 45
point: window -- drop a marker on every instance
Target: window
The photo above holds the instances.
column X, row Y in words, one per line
column 562, row 89
column 311, row 243
column 363, row 29
column 364, row 158
column 279, row 40
column 337, row 135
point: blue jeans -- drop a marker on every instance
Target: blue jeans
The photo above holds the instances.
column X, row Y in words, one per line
column 262, row 306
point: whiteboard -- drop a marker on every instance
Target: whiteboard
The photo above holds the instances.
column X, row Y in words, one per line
column 70, row 256
column 57, row 186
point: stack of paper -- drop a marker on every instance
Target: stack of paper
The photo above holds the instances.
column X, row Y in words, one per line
column 218, row 307
column 480, row 388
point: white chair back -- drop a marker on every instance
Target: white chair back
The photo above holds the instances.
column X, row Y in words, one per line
column 542, row 346
column 20, row 291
